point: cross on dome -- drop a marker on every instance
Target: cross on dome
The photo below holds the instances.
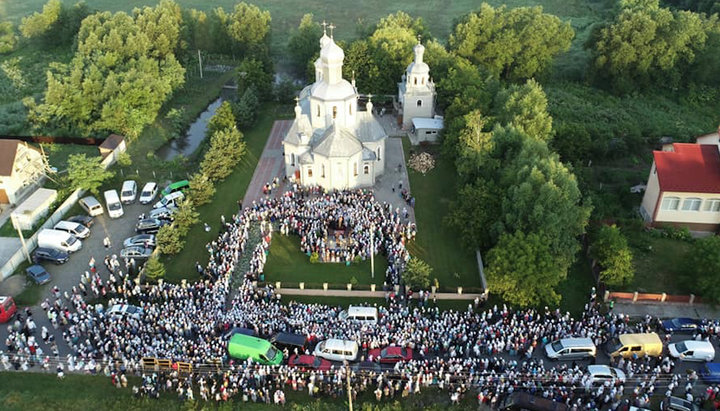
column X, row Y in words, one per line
column 324, row 27
column 331, row 27
column 419, row 36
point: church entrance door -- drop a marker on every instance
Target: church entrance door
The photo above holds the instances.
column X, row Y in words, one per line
column 297, row 175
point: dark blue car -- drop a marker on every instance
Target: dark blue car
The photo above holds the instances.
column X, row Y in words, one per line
column 38, row 274
column 50, row 254
column 679, row 325
column 710, row 373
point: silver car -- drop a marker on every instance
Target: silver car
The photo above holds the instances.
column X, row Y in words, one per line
column 136, row 252
column 140, row 240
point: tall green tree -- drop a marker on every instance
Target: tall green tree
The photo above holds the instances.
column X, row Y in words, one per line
column 248, row 28
column 304, row 43
column 185, row 217
column 610, row 249
column 417, row 274
column 523, row 270
column 201, row 189
column 154, row 269
column 8, row 39
column 226, row 149
column 702, row 264
column 525, row 108
column 516, row 43
column 223, row 119
column 56, row 25
column 169, row 240
column 87, row 173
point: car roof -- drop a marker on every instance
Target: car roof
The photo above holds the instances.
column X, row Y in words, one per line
column 334, row 343
column 360, row 310
column 575, row 342
column 598, row 368
column 693, row 344
column 90, row 201
column 713, row 367
column 149, row 185
column 36, row 269
column 128, row 184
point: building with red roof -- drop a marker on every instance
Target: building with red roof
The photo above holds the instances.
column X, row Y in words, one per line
column 683, row 188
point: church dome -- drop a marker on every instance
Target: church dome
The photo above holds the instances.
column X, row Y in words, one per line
column 331, row 52
column 418, row 66
column 337, row 91
column 324, row 40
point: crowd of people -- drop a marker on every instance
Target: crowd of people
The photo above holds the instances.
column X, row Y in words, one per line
column 484, row 353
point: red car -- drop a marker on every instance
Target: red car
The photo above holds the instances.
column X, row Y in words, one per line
column 392, row 354
column 7, row 309
column 309, row 362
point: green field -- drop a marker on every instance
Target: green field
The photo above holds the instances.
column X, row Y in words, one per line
column 285, row 262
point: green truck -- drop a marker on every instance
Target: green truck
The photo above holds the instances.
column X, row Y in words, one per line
column 261, row 351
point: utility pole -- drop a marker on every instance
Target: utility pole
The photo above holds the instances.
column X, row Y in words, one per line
column 22, row 239
column 200, row 63
column 372, row 250
column 349, row 387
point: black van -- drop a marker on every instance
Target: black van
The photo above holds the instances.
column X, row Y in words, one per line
column 526, row 401
column 289, row 341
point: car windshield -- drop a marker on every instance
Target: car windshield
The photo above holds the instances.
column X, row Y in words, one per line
column 383, row 353
column 115, row 206
column 681, row 347
column 127, row 193
column 317, row 362
column 404, row 352
column 71, row 240
column 146, row 194
column 271, row 353
column 557, row 346
column 614, row 345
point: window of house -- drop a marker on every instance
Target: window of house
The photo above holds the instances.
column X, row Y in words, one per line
column 691, row 204
column 309, row 171
column 318, row 110
column 366, row 169
column 355, row 169
column 415, row 80
column 712, row 205
column 419, row 103
column 350, row 109
column 322, row 171
column 334, row 111
column 292, row 159
column 670, row 203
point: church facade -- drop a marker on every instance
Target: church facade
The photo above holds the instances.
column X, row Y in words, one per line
column 331, row 143
column 416, row 91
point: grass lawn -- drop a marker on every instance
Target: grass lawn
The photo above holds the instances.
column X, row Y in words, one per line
column 23, row 391
column 575, row 290
column 228, row 192
column 285, row 262
column 658, row 265
column 437, row 243
column 58, row 153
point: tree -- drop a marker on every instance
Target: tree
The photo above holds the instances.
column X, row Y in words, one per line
column 226, row 149
column 169, row 240
column 251, row 73
column 610, row 249
column 417, row 274
column 245, row 109
column 56, row 25
column 87, row 173
column 185, row 217
column 154, row 269
column 516, row 43
column 523, row 271
column 8, row 39
column 525, row 108
column 201, row 189
column 248, row 28
column 304, row 43
column 223, row 119
column 40, row 23
column 702, row 263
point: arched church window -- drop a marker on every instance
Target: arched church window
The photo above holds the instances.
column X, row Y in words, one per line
column 318, row 110
column 334, row 111
column 366, row 169
column 423, row 80
column 378, row 153
column 419, row 103
column 355, row 169
column 292, row 159
column 322, row 172
column 415, row 80
column 350, row 109
column 309, row 171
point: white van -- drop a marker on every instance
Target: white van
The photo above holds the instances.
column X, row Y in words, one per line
column 58, row 240
column 172, row 199
column 365, row 315
column 91, row 205
column 571, row 349
column 337, row 350
column 76, row 229
column 128, row 192
column 148, row 193
column 692, row 350
column 112, row 201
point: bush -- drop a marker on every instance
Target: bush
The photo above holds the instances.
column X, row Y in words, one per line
column 314, row 258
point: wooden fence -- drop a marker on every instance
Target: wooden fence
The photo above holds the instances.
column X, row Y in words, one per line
column 651, row 298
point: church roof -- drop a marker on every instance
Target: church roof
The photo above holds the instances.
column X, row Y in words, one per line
column 368, row 155
column 337, row 142
column 368, row 128
column 331, row 52
column 306, row 158
column 337, row 91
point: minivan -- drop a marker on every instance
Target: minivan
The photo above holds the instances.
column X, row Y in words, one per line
column 290, row 341
column 170, row 200
column 128, row 191
column 243, row 346
column 691, row 350
column 571, row 349
column 635, row 345
column 148, row 193
column 91, row 205
column 364, row 315
column 710, row 373
column 175, row 187
column 59, row 240
column 337, row 350
column 115, row 209
column 76, row 229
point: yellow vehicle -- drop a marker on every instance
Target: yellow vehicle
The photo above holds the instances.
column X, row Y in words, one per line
column 635, row 345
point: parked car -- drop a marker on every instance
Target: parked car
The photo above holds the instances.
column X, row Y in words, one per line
column 149, row 226
column 366, row 366
column 181, row 185
column 128, row 192
column 59, row 240
column 691, row 350
column 600, row 373
column 680, row 325
column 172, row 199
column 710, row 373
column 678, row 404
column 38, row 274
column 50, row 254
column 7, row 309
column 136, row 252
column 239, row 330
column 76, row 229
column 148, row 193
column 140, row 240
column 391, row 355
column 85, row 220
column 91, row 205
column 309, row 362
column 163, row 213
column 125, row 310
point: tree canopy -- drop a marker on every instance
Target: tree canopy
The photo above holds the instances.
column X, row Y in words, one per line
column 703, row 267
column 87, row 173
column 515, row 43
column 57, row 23
column 304, row 43
column 610, row 249
column 525, row 108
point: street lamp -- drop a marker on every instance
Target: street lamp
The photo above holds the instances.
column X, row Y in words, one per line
column 22, row 239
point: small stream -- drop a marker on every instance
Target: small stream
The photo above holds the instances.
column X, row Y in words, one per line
column 187, row 144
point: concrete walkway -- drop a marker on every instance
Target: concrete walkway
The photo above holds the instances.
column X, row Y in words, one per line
column 667, row 310
column 367, row 294
column 384, row 184
column 270, row 164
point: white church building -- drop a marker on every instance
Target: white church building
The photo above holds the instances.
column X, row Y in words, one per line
column 330, row 143
column 416, row 100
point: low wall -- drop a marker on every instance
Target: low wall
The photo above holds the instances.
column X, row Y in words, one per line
column 651, row 298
